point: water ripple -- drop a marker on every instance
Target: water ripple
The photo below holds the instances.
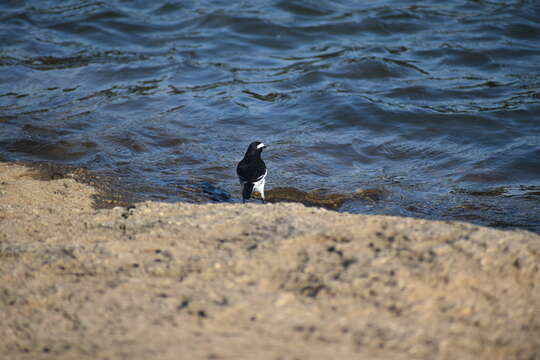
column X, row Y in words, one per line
column 434, row 104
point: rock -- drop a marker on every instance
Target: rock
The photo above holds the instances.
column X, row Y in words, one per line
column 254, row 281
column 320, row 197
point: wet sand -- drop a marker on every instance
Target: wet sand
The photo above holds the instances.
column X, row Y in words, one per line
column 230, row 281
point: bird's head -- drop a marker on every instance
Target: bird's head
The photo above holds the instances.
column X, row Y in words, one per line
column 255, row 147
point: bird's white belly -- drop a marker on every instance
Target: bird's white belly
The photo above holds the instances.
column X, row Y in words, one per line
column 259, row 186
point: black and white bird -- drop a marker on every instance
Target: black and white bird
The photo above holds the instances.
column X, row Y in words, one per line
column 251, row 171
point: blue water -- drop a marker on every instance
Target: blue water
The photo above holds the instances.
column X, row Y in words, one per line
column 434, row 104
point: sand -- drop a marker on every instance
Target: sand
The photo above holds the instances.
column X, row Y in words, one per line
column 231, row 281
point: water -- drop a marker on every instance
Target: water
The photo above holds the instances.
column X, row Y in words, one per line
column 435, row 105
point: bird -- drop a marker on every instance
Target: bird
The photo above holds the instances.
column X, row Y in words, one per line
column 251, row 171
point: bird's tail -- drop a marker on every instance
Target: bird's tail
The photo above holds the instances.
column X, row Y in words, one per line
column 247, row 190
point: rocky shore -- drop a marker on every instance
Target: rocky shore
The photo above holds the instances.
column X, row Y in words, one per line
column 230, row 281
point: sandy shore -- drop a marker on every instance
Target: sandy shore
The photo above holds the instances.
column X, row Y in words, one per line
column 231, row 281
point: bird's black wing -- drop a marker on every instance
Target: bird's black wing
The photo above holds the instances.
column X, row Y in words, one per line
column 251, row 171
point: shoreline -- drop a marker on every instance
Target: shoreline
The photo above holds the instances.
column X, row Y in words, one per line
column 234, row 281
